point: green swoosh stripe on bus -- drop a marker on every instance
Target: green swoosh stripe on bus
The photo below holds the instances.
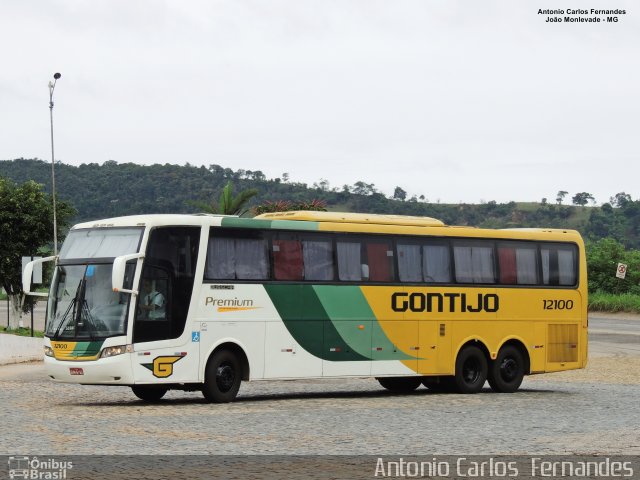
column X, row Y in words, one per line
column 306, row 319
column 332, row 322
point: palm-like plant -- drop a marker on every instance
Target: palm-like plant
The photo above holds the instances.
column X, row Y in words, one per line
column 228, row 204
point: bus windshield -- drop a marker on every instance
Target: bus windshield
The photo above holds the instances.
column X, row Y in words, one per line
column 101, row 243
column 82, row 304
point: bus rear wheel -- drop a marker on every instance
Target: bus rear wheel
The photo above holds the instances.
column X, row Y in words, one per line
column 507, row 370
column 222, row 377
column 400, row 384
column 149, row 393
column 471, row 370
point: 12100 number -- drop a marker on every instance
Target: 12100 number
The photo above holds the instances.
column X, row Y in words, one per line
column 557, row 304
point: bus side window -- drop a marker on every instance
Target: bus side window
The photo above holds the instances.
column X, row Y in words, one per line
column 474, row 262
column 379, row 261
column 409, row 262
column 436, row 263
column 252, row 260
column 507, row 262
column 318, row 259
column 349, row 261
column 236, row 255
column 287, row 260
column 558, row 264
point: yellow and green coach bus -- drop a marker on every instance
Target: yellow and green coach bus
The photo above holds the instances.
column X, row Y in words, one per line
column 202, row 302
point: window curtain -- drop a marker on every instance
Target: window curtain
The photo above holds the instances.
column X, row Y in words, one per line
column 508, row 270
column 527, row 269
column 566, row 267
column 221, row 259
column 287, row 260
column 409, row 263
column 380, row 262
column 436, row 265
column 251, row 259
column 318, row 260
column 349, row 262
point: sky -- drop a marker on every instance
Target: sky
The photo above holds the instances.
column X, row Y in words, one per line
column 456, row 100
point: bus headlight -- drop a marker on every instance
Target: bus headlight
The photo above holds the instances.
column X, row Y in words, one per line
column 48, row 351
column 113, row 351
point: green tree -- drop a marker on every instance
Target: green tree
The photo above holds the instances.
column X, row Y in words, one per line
column 228, row 204
column 620, row 200
column 560, row 196
column 400, row 194
column 582, row 198
column 26, row 220
column 603, row 257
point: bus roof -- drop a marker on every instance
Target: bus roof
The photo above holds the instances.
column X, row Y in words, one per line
column 336, row 222
column 343, row 217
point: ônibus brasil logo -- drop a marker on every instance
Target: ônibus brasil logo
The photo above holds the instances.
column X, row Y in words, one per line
column 40, row 469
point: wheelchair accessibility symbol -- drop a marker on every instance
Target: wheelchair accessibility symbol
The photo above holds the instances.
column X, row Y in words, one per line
column 195, row 336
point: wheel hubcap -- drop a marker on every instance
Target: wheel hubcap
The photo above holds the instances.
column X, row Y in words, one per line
column 225, row 377
column 471, row 371
column 509, row 369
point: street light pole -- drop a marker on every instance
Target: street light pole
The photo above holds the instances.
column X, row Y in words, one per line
column 52, row 86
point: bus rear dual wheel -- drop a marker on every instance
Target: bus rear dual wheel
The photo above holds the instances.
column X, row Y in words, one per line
column 507, row 370
column 504, row 374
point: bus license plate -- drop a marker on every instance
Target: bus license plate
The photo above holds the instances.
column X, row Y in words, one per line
column 76, row 371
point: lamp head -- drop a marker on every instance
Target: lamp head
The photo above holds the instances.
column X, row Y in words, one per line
column 56, row 76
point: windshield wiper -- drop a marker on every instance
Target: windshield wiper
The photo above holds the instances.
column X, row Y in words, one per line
column 65, row 317
column 71, row 308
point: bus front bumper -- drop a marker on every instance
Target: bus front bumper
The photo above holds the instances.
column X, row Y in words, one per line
column 114, row 370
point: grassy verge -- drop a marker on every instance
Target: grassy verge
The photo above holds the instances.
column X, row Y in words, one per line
column 607, row 302
column 23, row 332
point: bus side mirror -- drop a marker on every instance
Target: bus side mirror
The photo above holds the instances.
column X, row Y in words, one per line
column 28, row 274
column 117, row 274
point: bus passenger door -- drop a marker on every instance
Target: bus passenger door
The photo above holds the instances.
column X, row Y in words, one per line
column 165, row 351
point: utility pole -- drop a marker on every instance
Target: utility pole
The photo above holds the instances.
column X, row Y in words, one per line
column 52, row 86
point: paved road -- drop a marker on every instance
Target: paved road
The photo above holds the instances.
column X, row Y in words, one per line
column 551, row 414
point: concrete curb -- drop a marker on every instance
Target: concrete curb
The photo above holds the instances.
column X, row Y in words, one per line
column 16, row 349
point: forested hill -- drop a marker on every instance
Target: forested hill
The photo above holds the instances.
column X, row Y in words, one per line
column 112, row 189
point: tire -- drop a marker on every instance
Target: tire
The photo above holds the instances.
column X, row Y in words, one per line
column 400, row 384
column 222, row 377
column 507, row 370
column 149, row 393
column 444, row 384
column 471, row 370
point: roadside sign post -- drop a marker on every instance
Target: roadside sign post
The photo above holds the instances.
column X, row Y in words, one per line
column 36, row 278
column 621, row 271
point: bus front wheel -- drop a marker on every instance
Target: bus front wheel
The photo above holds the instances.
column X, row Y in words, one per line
column 222, row 377
column 148, row 393
column 400, row 384
column 471, row 370
column 507, row 370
